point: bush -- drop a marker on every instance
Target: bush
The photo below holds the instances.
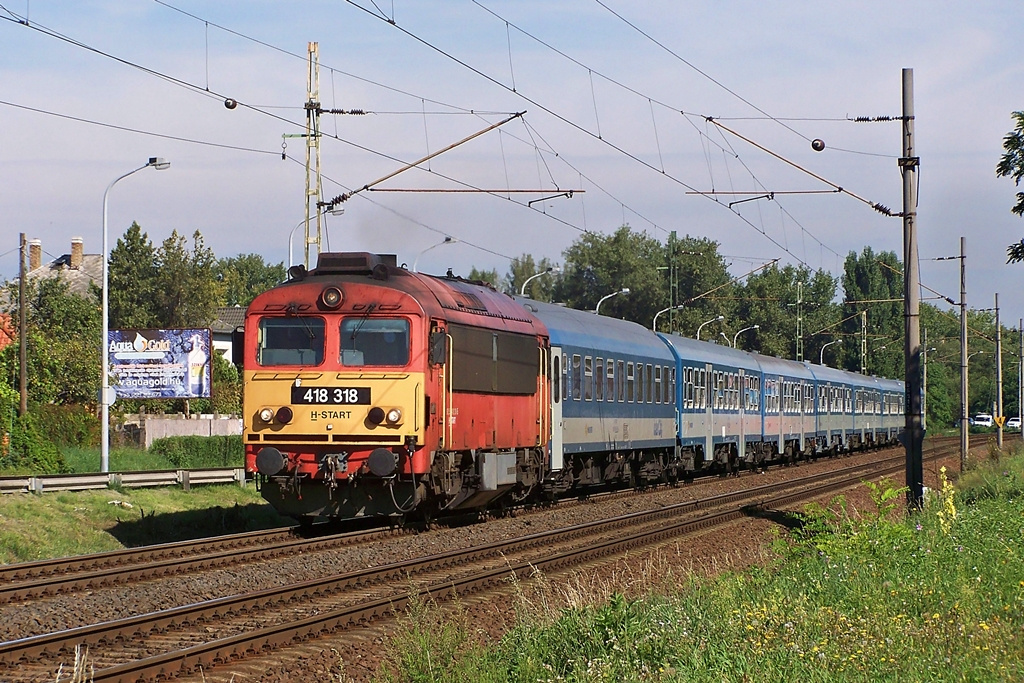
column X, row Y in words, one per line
column 189, row 452
column 69, row 425
column 31, row 452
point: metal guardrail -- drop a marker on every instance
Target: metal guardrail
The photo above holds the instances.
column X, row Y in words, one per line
column 155, row 478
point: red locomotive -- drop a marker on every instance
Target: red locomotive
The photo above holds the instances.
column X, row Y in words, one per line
column 373, row 390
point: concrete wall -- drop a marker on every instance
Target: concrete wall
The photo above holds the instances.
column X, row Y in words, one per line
column 148, row 428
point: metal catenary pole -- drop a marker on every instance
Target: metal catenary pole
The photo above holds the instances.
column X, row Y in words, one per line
column 912, row 301
column 999, row 378
column 965, row 438
column 23, row 331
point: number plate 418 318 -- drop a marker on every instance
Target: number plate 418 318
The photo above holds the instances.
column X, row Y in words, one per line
column 333, row 396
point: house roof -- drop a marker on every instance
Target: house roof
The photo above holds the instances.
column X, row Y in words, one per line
column 228, row 318
column 78, row 279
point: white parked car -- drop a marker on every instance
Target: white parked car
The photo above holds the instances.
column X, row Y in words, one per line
column 1013, row 424
column 982, row 420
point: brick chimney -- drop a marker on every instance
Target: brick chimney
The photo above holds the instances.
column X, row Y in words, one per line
column 76, row 252
column 35, row 254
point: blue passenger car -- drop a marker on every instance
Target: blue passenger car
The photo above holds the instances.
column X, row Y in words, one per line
column 719, row 401
column 788, row 407
column 612, row 399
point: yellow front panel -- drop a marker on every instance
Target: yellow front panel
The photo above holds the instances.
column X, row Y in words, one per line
column 323, row 412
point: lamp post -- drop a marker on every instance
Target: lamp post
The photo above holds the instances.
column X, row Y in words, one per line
column 446, row 240
column 597, row 309
column 336, row 211
column 708, row 322
column 736, row 336
column 821, row 357
column 726, row 338
column 550, row 269
column 291, row 235
column 654, row 325
column 105, row 389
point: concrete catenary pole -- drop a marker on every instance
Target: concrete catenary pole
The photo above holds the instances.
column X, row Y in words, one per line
column 913, row 434
column 1020, row 376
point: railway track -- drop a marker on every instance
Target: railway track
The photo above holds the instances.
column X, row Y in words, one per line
column 179, row 640
column 86, row 572
column 45, row 578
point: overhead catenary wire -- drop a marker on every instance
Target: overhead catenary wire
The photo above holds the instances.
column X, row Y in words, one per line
column 569, row 122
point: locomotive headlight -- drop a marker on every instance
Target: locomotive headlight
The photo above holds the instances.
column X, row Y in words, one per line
column 331, row 297
column 394, row 416
column 284, row 415
column 267, row 415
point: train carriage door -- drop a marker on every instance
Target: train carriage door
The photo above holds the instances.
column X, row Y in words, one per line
column 557, row 394
column 741, row 392
column 710, row 392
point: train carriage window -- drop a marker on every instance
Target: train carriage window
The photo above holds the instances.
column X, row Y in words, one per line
column 670, row 386
column 649, row 389
column 620, row 377
column 577, row 378
column 599, row 380
column 630, row 383
column 374, row 341
column 609, row 393
column 657, row 384
column 556, row 380
column 588, row 378
column 295, row 340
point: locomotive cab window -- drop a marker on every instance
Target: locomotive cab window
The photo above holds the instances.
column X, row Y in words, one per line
column 295, row 340
column 374, row 341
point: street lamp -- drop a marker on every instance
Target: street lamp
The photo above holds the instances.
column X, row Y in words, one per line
column 550, row 269
column 654, row 325
column 106, row 391
column 821, row 358
column 336, row 211
column 624, row 290
column 736, row 336
column 708, row 322
column 726, row 338
column 446, row 240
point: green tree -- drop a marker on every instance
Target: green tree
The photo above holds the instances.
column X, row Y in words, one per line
column 489, row 276
column 132, row 276
column 63, row 343
column 597, row 265
column 1012, row 164
column 187, row 290
column 702, row 285
column 874, row 283
column 774, row 298
column 245, row 276
column 522, row 268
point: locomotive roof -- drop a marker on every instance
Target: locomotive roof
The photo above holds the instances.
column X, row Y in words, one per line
column 449, row 298
column 572, row 327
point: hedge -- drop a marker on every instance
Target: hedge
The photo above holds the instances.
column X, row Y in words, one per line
column 189, row 452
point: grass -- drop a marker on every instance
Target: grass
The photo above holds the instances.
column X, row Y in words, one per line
column 87, row 460
column 60, row 524
column 935, row 597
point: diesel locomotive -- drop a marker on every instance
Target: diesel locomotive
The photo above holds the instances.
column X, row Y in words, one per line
column 371, row 390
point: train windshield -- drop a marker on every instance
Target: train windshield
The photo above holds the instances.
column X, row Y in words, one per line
column 374, row 341
column 291, row 341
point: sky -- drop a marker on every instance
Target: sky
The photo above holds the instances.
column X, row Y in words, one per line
column 641, row 110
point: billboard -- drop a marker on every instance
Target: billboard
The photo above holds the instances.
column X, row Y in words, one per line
column 160, row 363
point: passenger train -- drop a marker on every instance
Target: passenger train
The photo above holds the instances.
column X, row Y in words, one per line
column 370, row 390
